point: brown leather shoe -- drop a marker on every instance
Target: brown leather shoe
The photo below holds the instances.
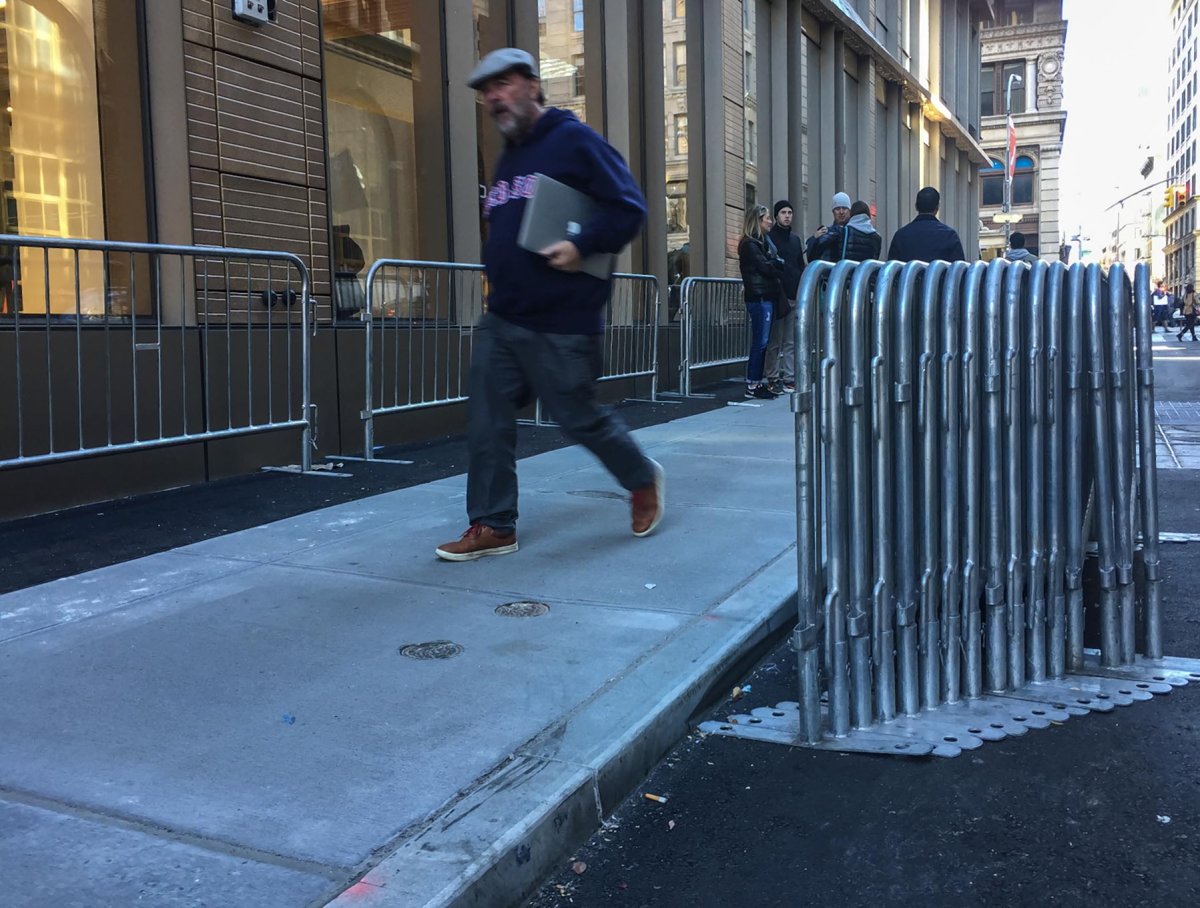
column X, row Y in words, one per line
column 477, row 541
column 649, row 503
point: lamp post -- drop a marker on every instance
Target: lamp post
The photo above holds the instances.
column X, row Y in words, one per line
column 1010, row 131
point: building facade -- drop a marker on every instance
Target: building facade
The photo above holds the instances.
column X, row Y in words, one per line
column 342, row 131
column 1182, row 264
column 1023, row 66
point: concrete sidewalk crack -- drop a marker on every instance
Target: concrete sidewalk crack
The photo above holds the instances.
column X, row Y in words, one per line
column 333, row 872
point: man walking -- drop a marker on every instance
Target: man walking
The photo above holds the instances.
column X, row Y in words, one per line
column 815, row 246
column 781, row 350
column 542, row 335
column 925, row 238
column 1017, row 251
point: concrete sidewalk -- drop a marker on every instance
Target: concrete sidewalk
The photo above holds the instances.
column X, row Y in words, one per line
column 232, row 722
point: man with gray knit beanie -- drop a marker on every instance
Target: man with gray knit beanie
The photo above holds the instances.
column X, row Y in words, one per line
column 815, row 247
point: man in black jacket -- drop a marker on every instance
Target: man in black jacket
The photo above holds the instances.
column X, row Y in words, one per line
column 781, row 351
column 925, row 238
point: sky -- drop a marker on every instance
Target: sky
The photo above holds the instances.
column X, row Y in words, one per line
column 1115, row 84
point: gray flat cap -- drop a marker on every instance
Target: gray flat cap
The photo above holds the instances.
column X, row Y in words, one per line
column 501, row 61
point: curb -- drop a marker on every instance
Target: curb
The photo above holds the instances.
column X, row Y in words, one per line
column 500, row 840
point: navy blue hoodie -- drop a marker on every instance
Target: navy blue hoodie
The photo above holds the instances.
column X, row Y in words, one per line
column 523, row 288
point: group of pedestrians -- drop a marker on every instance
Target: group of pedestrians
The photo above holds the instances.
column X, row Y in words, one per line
column 772, row 259
column 1166, row 304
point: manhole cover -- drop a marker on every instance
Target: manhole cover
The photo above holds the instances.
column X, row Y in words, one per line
column 434, row 649
column 522, row 609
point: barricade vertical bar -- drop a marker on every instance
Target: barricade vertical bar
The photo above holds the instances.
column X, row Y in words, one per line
column 1097, row 329
column 1014, row 286
column 908, row 631
column 972, row 487
column 950, row 441
column 1074, row 358
column 836, row 496
column 994, row 512
column 1148, row 479
column 1035, row 427
column 1121, row 403
column 808, row 625
column 928, row 477
column 685, row 337
column 368, row 316
column 49, row 366
column 1055, row 486
column 880, row 397
column 307, row 438
column 79, row 354
column 18, row 307
column 858, row 621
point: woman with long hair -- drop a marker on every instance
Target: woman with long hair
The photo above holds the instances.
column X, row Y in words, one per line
column 761, row 268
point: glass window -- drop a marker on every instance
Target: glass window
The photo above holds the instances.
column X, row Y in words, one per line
column 679, row 72
column 71, row 152
column 992, row 188
column 681, row 134
column 987, row 86
column 677, row 206
column 677, row 8
column 562, row 58
column 375, row 94
column 748, row 74
column 577, row 20
column 1017, row 96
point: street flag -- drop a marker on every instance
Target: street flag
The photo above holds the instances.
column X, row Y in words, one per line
column 1012, row 148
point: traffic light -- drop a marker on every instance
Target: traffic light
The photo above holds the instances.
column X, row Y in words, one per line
column 1169, row 196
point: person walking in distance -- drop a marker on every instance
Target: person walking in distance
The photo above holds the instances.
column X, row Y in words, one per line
column 857, row 241
column 925, row 238
column 542, row 334
column 1189, row 313
column 781, row 349
column 761, row 269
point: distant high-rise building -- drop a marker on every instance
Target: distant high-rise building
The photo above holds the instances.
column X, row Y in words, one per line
column 1022, row 57
column 1180, row 221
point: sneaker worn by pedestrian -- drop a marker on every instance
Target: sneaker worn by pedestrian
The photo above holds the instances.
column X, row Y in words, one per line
column 789, row 387
column 648, row 503
column 762, row 392
column 477, row 541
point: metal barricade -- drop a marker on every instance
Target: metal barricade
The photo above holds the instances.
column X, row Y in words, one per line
column 109, row 347
column 420, row 319
column 631, row 326
column 715, row 330
column 953, row 422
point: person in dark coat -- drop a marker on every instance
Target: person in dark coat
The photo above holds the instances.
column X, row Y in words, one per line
column 761, row 270
column 815, row 245
column 781, row 350
column 858, row 241
column 925, row 238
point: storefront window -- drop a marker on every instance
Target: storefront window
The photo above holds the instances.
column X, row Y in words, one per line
column 70, row 134
column 675, row 99
column 561, row 52
column 379, row 79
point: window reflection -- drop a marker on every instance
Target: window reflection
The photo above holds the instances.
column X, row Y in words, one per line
column 561, row 52
column 51, row 161
column 676, row 129
column 372, row 68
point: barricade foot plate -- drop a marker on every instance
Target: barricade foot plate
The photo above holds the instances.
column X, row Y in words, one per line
column 1015, row 717
column 1169, row 670
column 864, row 742
column 292, row 468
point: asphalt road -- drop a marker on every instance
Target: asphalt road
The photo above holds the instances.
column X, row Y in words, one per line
column 1103, row 810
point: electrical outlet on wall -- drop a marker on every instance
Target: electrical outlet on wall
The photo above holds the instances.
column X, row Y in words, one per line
column 254, row 12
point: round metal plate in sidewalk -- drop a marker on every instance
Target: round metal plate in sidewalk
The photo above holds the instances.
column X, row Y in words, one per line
column 434, row 649
column 525, row 609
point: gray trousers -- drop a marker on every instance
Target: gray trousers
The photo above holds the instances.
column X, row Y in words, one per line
column 781, row 349
column 510, row 366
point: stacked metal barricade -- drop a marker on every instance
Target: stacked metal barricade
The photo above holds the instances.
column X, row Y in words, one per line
column 963, row 433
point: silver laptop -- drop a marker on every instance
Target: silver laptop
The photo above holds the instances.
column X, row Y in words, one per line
column 557, row 212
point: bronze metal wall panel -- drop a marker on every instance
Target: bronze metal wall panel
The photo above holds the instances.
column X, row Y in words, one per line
column 261, row 123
